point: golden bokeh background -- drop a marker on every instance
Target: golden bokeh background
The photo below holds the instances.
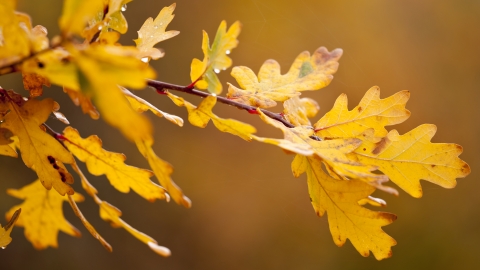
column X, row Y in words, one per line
column 249, row 212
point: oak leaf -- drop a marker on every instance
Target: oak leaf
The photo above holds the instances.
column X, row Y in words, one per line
column 5, row 238
column 346, row 218
column 202, row 73
column 153, row 32
column 40, row 151
column 371, row 112
column 407, row 159
column 140, row 105
column 112, row 214
column 34, row 83
column 201, row 115
column 77, row 13
column 14, row 41
column 298, row 110
column 162, row 170
column 306, row 73
column 99, row 161
column 42, row 214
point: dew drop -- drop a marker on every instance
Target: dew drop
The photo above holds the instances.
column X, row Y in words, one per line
column 124, row 8
column 4, row 247
column 100, row 28
column 144, row 59
column 227, row 52
column 217, row 70
column 214, row 95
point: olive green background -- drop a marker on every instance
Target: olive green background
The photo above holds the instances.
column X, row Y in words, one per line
column 249, row 212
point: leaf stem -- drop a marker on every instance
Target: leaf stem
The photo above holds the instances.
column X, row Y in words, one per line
column 161, row 87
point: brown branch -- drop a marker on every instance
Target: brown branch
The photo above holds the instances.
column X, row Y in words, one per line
column 162, row 86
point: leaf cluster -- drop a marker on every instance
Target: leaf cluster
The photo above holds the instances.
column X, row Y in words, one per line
column 346, row 154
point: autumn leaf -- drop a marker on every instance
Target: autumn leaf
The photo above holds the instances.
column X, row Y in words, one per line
column 112, row 214
column 201, row 115
column 34, row 83
column 5, row 238
column 297, row 110
column 346, row 218
column 163, row 170
column 79, row 99
column 153, row 32
column 77, row 13
column 14, row 41
column 202, row 73
column 42, row 214
column 306, row 73
column 140, row 105
column 40, row 151
column 101, row 70
column 371, row 112
column 407, row 159
column 99, row 161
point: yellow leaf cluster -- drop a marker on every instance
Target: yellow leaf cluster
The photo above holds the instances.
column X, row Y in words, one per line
column 352, row 145
column 202, row 73
column 306, row 73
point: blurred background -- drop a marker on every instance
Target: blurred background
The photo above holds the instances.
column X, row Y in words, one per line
column 249, row 212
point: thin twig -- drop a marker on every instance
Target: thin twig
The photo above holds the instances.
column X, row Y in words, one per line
column 162, row 86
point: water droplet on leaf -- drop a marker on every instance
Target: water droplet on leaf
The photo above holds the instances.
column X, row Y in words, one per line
column 227, row 52
column 144, row 59
column 124, row 8
column 217, row 70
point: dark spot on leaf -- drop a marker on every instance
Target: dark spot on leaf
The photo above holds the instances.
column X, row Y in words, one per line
column 360, row 109
column 51, row 159
column 62, row 176
column 311, row 199
column 364, row 149
column 433, row 165
column 40, row 65
column 55, row 166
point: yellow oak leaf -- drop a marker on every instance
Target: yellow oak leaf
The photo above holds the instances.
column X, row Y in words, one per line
column 371, row 112
column 77, row 13
column 346, row 218
column 87, row 224
column 306, row 73
column 202, row 73
column 5, row 238
column 55, row 65
column 153, row 32
column 140, row 105
column 298, row 110
column 40, row 151
column 201, row 115
column 42, row 214
column 99, row 161
column 99, row 77
column 112, row 214
column 162, row 170
column 79, row 99
column 34, row 83
column 14, row 41
column 407, row 159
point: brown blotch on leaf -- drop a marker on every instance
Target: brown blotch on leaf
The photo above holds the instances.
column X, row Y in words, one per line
column 51, row 159
column 62, row 176
column 433, row 165
column 381, row 145
column 359, row 109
